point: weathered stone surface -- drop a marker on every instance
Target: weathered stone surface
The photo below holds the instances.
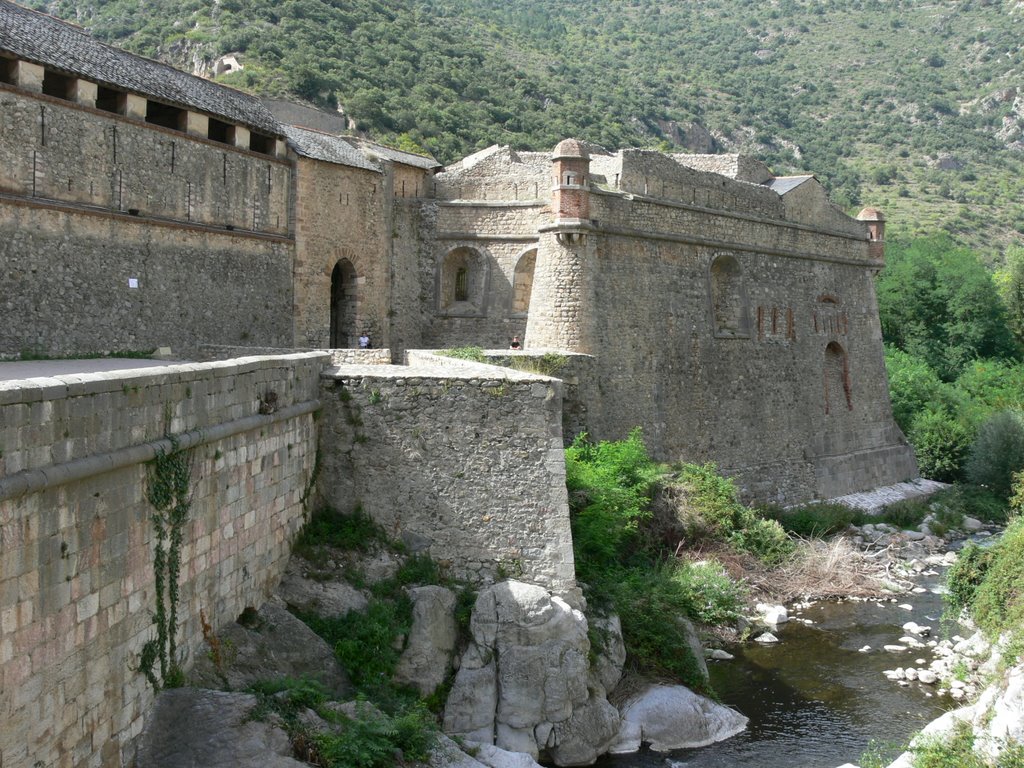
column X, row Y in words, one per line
column 190, row 727
column 276, row 645
column 525, row 675
column 674, row 717
column 493, row 757
column 606, row 664
column 592, row 729
column 323, row 598
column 431, row 644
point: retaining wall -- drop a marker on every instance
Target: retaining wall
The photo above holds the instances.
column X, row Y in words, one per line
column 76, row 576
column 460, row 460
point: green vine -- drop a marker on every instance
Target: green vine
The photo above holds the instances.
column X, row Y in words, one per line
column 169, row 492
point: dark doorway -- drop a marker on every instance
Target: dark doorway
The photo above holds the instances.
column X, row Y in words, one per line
column 343, row 304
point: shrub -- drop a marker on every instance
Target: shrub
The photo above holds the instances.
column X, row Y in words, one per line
column 474, row 354
column 998, row 601
column 813, row 520
column 913, row 386
column 965, row 575
column 905, row 514
column 376, row 740
column 610, row 486
column 328, row 526
column 941, row 444
column 997, row 452
column 970, row 501
column 713, row 509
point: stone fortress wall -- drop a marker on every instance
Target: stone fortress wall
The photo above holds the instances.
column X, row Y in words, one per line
column 459, row 460
column 118, row 234
column 77, row 577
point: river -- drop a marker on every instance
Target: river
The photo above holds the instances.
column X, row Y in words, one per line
column 813, row 699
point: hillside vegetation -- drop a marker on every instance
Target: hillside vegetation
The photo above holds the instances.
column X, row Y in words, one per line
column 916, row 107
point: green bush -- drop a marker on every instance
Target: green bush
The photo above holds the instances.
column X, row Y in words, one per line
column 965, row 576
column 473, row 354
column 377, row 740
column 970, row 501
column 610, row 485
column 813, row 520
column 328, row 526
column 997, row 452
column 998, row 601
column 713, row 504
column 941, row 443
column 905, row 514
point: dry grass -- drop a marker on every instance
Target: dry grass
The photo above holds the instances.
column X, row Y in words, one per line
column 825, row 568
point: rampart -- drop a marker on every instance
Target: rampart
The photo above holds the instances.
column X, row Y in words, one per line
column 77, row 576
column 117, row 234
column 460, row 460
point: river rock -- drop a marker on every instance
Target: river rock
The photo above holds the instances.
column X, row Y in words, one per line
column 971, row 524
column 525, row 675
column 927, row 677
column 674, row 717
column 610, row 653
column 717, row 654
column 766, row 638
column 427, row 658
column 916, row 629
column 190, row 726
column 587, row 734
column 494, row 757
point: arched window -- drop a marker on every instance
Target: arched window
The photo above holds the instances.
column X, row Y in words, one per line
column 462, row 282
column 837, row 379
column 728, row 298
column 522, row 282
column 343, row 304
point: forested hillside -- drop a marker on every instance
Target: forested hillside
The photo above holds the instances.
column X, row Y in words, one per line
column 916, row 107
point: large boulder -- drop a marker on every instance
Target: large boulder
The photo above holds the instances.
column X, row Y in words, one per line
column 427, row 658
column 522, row 684
column 190, row 726
column 269, row 644
column 609, row 656
column 674, row 717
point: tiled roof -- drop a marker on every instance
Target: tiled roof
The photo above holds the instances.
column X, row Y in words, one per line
column 394, row 155
column 783, row 184
column 324, row 146
column 67, row 48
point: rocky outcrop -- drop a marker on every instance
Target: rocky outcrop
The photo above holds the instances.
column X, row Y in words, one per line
column 531, row 648
column 268, row 644
column 220, row 733
column 674, row 717
column 427, row 658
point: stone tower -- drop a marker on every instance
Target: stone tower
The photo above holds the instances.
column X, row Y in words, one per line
column 563, row 301
column 876, row 232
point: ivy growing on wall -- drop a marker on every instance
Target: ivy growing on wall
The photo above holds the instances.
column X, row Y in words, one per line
column 169, row 492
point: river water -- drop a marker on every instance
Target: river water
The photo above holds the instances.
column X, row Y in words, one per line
column 813, row 699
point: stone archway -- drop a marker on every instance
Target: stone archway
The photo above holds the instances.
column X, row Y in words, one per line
column 343, row 305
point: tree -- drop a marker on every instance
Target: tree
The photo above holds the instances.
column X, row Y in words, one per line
column 1010, row 281
column 939, row 303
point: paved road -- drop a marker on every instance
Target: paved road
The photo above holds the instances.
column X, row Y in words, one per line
column 27, row 369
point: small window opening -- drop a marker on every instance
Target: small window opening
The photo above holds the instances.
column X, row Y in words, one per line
column 571, row 179
column 220, row 131
column 261, row 143
column 165, row 115
column 56, row 84
column 110, row 100
column 462, row 284
column 7, row 67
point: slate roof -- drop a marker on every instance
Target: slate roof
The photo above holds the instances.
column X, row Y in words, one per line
column 394, row 155
column 69, row 49
column 324, row 146
column 784, row 184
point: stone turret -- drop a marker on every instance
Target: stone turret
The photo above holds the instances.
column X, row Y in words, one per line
column 571, row 193
column 562, row 301
column 876, row 232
